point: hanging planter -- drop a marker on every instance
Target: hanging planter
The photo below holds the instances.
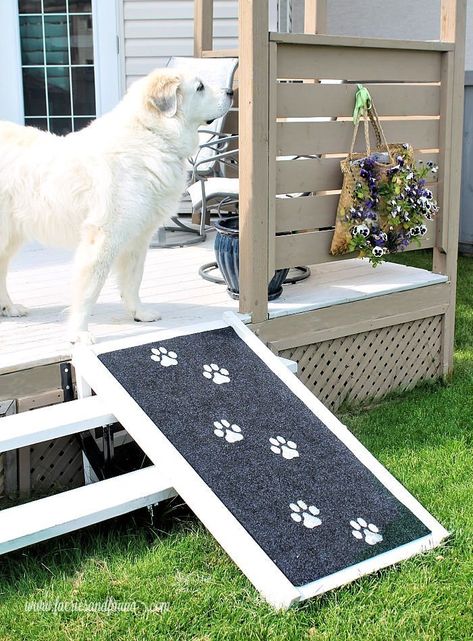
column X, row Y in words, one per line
column 227, row 252
column 384, row 204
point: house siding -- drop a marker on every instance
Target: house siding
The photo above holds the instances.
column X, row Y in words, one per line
column 154, row 30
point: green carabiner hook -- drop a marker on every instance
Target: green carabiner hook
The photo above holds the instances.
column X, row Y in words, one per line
column 362, row 103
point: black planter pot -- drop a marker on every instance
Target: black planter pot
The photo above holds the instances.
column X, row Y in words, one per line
column 227, row 252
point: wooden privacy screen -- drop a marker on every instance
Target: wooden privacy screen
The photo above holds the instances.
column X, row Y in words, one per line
column 312, row 90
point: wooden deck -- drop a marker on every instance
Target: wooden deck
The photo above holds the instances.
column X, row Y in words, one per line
column 41, row 278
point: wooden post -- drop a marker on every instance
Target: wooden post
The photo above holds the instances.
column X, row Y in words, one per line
column 254, row 180
column 447, row 20
column 203, row 26
column 315, row 16
column 453, row 74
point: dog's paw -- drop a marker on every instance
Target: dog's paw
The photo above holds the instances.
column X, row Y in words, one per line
column 84, row 338
column 9, row 309
column 146, row 315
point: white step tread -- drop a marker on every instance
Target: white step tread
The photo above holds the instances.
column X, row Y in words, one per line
column 55, row 515
column 45, row 423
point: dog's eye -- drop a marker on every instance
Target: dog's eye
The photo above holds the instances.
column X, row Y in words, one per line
column 200, row 87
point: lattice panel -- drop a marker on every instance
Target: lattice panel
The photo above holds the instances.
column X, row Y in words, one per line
column 366, row 366
column 55, row 464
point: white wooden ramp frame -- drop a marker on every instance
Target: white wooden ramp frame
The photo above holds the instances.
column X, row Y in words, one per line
column 71, row 510
column 234, row 538
column 45, row 518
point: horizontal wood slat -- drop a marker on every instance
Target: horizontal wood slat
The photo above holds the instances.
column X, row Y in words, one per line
column 305, row 213
column 353, row 41
column 43, row 519
column 318, row 174
column 297, row 138
column 63, row 419
column 304, row 100
column 310, row 212
column 313, row 248
column 336, row 321
column 221, row 53
column 293, row 176
column 362, row 65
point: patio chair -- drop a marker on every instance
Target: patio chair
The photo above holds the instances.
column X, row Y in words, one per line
column 223, row 193
column 221, row 72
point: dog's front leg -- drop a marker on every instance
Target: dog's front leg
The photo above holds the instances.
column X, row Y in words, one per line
column 93, row 260
column 7, row 307
column 130, row 265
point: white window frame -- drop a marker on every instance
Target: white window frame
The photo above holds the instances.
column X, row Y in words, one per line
column 11, row 84
column 107, row 59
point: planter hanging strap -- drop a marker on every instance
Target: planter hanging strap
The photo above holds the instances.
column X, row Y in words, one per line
column 365, row 108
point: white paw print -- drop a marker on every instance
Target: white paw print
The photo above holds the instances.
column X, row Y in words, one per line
column 216, row 374
column 232, row 433
column 370, row 532
column 288, row 449
column 309, row 514
column 161, row 355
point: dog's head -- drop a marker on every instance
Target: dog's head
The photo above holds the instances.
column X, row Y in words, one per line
column 168, row 94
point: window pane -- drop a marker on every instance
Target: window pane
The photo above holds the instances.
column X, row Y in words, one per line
column 54, row 6
column 80, row 6
column 55, row 29
column 39, row 123
column 60, row 126
column 31, row 33
column 29, row 6
column 83, row 91
column 80, row 123
column 59, row 92
column 82, row 48
column 34, row 92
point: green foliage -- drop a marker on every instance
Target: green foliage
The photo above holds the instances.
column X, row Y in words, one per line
column 390, row 205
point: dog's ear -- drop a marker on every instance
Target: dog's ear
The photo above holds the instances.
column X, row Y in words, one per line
column 163, row 94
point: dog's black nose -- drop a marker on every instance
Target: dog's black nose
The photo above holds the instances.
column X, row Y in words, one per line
column 230, row 93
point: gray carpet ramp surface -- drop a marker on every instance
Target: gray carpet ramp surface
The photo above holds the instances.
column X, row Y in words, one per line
column 296, row 488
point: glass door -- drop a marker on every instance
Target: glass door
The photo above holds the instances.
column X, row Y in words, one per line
column 57, row 61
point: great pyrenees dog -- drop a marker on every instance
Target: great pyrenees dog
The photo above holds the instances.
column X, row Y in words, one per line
column 104, row 189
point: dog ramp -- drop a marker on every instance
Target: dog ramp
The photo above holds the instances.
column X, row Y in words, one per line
column 291, row 495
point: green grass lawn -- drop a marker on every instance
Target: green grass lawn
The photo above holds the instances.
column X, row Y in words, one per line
column 423, row 437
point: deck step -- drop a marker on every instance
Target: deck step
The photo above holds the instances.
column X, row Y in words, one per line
column 46, row 423
column 55, row 515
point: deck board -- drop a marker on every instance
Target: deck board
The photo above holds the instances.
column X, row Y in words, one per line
column 40, row 278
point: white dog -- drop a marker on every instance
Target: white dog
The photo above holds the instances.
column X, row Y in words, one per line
column 104, row 189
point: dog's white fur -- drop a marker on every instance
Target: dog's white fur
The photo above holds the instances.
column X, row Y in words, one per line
column 104, row 189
